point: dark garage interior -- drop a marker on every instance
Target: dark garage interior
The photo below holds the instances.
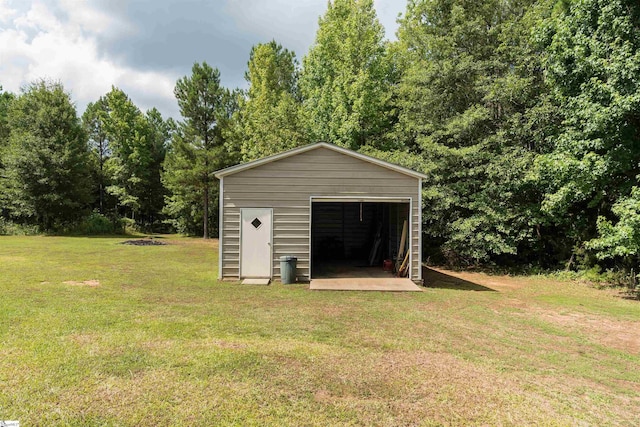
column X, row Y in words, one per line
column 349, row 239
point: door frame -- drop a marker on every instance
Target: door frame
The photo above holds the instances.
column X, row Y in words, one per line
column 270, row 243
column 371, row 199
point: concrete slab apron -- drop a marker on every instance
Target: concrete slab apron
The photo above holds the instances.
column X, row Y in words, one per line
column 255, row 281
column 391, row 284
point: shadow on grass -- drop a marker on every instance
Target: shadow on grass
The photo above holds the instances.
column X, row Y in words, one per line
column 435, row 279
column 119, row 236
column 108, row 236
column 93, row 236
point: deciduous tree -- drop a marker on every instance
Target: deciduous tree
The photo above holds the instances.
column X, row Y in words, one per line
column 345, row 79
column 469, row 80
column 93, row 122
column 129, row 148
column 46, row 164
column 268, row 119
column 592, row 63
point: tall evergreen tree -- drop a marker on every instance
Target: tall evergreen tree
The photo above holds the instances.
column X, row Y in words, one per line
column 345, row 79
column 197, row 149
column 46, row 164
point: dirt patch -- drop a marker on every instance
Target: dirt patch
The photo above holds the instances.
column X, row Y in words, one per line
column 144, row 242
column 216, row 343
column 436, row 386
column 158, row 345
column 6, row 259
column 618, row 334
column 83, row 339
column 89, row 283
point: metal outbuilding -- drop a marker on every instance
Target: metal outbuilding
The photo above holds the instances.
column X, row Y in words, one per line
column 334, row 209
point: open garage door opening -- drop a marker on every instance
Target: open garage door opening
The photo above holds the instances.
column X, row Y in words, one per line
column 359, row 238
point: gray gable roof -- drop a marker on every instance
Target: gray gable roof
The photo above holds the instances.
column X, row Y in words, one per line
column 250, row 165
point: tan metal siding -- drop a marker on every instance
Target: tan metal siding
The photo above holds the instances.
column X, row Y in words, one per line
column 286, row 185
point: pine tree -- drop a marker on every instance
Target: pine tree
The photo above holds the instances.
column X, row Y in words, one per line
column 197, row 148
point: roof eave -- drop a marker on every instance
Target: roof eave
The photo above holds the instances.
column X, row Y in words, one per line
column 255, row 163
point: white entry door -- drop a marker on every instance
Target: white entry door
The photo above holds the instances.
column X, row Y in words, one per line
column 255, row 247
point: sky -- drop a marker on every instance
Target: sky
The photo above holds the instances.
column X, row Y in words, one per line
column 144, row 46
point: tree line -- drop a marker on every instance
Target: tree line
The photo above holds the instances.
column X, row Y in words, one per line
column 524, row 114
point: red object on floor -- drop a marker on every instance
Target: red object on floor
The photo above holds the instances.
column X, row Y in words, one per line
column 387, row 265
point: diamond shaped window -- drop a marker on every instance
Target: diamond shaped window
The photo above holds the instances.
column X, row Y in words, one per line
column 256, row 223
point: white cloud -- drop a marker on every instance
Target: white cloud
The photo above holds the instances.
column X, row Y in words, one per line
column 92, row 20
column 6, row 12
column 41, row 45
column 90, row 45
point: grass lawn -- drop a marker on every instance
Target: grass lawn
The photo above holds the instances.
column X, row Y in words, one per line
column 148, row 336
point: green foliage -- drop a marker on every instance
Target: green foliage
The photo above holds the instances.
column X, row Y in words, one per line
column 468, row 83
column 45, row 176
column 622, row 239
column 128, row 149
column 132, row 151
column 620, row 277
column 184, row 203
column 6, row 99
column 592, row 63
column 524, row 115
column 346, row 77
column 268, row 119
column 159, row 133
column 197, row 149
column 93, row 121
column 98, row 224
column 129, row 225
column 10, row 228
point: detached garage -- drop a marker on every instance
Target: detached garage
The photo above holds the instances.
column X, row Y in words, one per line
column 341, row 213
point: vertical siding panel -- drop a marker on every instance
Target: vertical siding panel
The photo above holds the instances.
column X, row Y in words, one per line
column 221, row 252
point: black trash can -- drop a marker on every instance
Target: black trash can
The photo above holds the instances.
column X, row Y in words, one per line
column 288, row 269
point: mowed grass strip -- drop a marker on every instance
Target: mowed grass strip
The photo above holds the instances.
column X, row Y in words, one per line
column 93, row 332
